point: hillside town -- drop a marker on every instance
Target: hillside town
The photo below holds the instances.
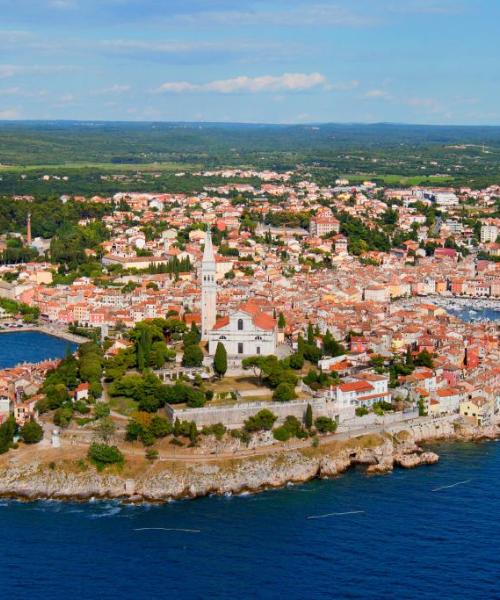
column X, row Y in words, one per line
column 330, row 299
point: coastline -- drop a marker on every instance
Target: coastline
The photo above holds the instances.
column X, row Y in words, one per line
column 168, row 480
column 59, row 334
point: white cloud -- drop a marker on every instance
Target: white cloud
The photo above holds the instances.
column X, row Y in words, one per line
column 378, row 94
column 293, row 82
column 12, row 91
column 9, row 114
column 63, row 4
column 316, row 14
column 115, row 89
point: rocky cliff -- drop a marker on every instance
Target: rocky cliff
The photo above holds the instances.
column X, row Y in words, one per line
column 164, row 480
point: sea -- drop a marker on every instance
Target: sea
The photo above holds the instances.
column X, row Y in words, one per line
column 427, row 533
column 30, row 346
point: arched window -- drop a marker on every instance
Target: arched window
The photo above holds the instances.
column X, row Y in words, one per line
column 240, row 324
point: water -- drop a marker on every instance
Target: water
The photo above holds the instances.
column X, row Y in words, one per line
column 30, row 346
column 409, row 541
column 471, row 314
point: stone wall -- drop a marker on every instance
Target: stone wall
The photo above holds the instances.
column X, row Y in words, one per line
column 234, row 416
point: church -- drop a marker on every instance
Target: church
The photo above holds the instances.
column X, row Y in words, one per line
column 248, row 331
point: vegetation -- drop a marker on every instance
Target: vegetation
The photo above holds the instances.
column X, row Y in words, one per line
column 103, row 455
column 220, row 360
column 290, row 428
column 325, row 425
column 31, row 432
column 262, row 421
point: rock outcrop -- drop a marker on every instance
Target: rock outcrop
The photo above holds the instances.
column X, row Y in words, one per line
column 165, row 480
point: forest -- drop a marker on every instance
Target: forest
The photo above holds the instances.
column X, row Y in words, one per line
column 99, row 157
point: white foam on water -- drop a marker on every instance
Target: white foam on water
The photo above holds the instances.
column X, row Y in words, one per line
column 336, row 514
column 447, row 487
column 167, row 529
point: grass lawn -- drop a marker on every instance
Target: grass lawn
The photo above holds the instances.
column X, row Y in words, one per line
column 401, row 179
column 122, row 405
column 234, row 384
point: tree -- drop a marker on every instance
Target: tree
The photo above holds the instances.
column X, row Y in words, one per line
column 32, row 432
column 193, row 432
column 102, row 409
column 105, row 429
column 192, row 357
column 325, row 425
column 308, row 420
column 220, row 360
column 284, row 393
column 102, row 455
column 281, row 321
column 310, row 334
column 263, row 420
column 296, row 361
column 424, row 359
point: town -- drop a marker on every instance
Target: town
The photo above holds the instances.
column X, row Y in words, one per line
column 283, row 307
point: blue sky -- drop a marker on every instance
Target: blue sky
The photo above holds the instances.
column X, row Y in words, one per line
column 293, row 61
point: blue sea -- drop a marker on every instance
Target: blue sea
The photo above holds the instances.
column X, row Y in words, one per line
column 428, row 533
column 422, row 534
column 30, row 346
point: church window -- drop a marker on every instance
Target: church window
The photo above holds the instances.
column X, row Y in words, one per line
column 240, row 324
column 258, row 349
column 240, row 348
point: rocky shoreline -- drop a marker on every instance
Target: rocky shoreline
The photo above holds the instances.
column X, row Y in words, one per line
column 164, row 481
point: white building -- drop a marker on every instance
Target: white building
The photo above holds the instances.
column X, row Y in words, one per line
column 489, row 233
column 364, row 390
column 248, row 331
column 208, row 288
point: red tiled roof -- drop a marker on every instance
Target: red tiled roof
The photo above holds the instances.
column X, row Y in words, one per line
column 222, row 322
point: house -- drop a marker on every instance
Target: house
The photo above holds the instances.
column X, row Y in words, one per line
column 366, row 389
column 82, row 392
column 478, row 410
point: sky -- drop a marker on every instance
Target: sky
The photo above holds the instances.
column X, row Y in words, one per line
column 272, row 61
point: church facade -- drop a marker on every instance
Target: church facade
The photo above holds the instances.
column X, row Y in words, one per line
column 248, row 331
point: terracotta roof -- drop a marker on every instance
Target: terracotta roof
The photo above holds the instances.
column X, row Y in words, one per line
column 264, row 321
column 222, row 322
column 356, row 386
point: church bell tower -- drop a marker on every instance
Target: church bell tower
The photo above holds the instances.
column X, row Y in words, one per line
column 208, row 287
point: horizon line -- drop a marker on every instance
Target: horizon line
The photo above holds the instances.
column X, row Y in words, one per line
column 249, row 123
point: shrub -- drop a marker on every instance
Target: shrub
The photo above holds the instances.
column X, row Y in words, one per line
column 63, row 416
column 151, row 454
column 218, row 429
column 102, row 455
column 32, row 432
column 102, row 409
column 361, row 411
column 284, row 393
column 82, row 407
column 262, row 421
column 160, row 427
column 325, row 425
column 281, row 434
column 147, row 438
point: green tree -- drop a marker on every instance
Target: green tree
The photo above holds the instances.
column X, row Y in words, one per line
column 281, row 321
column 102, row 455
column 284, row 393
column 325, row 425
column 262, row 421
column 309, row 417
column 220, row 360
column 192, row 357
column 32, row 432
